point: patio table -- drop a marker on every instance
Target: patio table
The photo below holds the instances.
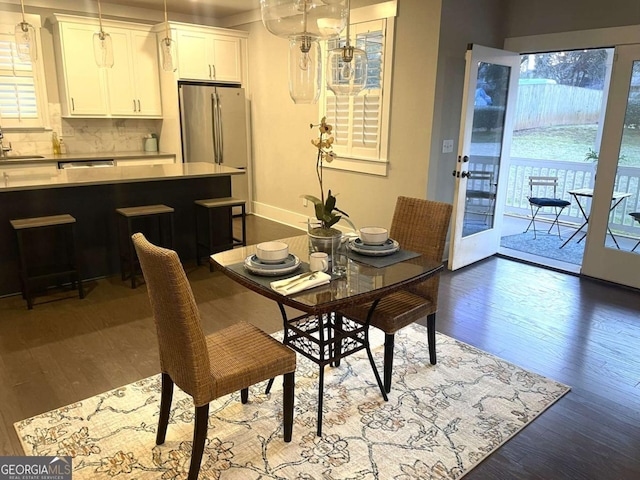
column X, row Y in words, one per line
column 320, row 334
column 616, row 198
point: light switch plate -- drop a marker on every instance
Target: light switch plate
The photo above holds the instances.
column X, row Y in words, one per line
column 447, row 146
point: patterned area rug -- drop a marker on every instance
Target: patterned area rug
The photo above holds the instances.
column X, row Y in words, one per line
column 440, row 421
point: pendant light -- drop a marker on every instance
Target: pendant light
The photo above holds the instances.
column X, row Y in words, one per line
column 347, row 66
column 167, row 45
column 315, row 18
column 305, row 69
column 304, row 23
column 26, row 44
column 102, row 45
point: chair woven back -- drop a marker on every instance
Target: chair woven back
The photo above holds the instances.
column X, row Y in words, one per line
column 421, row 226
column 181, row 341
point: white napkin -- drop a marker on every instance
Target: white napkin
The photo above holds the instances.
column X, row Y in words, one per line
column 290, row 285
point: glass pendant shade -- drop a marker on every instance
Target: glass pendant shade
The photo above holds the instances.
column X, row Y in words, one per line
column 314, row 18
column 26, row 45
column 167, row 46
column 167, row 54
column 347, row 70
column 304, row 69
column 103, row 49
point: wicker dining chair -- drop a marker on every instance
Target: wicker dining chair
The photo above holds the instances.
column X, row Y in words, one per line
column 419, row 226
column 205, row 367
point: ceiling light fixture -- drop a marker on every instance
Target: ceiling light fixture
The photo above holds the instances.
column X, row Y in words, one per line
column 167, row 45
column 347, row 66
column 304, row 23
column 26, row 44
column 102, row 45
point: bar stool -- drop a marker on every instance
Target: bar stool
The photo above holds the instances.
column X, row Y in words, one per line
column 132, row 216
column 31, row 270
column 223, row 209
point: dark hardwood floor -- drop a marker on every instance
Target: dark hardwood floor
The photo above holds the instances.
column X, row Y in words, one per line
column 583, row 333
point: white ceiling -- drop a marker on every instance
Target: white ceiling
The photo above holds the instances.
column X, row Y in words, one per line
column 207, row 8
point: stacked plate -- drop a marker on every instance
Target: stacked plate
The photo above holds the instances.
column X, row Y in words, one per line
column 387, row 248
column 256, row 266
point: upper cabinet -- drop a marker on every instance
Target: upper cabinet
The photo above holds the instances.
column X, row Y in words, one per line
column 208, row 56
column 133, row 82
column 82, row 84
column 207, row 53
column 131, row 88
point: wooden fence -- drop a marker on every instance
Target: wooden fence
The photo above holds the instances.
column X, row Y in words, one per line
column 548, row 105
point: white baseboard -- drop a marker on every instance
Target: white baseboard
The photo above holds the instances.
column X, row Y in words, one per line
column 291, row 219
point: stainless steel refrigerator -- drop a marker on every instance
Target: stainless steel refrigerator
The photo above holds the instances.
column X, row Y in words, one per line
column 213, row 120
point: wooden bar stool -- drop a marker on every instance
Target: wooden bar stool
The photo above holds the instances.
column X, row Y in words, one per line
column 33, row 269
column 130, row 217
column 216, row 215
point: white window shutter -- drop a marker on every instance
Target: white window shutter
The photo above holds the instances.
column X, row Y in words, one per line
column 18, row 99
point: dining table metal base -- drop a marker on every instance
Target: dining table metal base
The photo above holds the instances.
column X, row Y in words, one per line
column 325, row 339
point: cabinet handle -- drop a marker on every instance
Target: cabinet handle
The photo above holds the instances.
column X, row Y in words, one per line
column 210, row 71
column 214, row 71
column 134, row 104
column 139, row 109
column 73, row 105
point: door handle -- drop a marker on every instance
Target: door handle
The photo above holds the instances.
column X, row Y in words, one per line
column 465, row 174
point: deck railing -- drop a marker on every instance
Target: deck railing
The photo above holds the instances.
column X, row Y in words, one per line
column 571, row 175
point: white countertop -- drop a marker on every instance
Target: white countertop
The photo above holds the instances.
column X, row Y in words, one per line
column 69, row 157
column 111, row 175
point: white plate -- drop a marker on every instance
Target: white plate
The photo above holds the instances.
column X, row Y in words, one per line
column 268, row 265
column 379, row 251
column 386, row 245
column 271, row 270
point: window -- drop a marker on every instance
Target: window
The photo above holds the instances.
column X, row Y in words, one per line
column 361, row 122
column 20, row 105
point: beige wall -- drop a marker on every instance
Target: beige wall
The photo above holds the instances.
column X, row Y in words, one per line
column 284, row 160
column 527, row 17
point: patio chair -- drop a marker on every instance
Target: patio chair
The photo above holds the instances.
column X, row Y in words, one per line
column 539, row 190
column 205, row 367
column 636, row 217
column 419, row 226
column 481, row 193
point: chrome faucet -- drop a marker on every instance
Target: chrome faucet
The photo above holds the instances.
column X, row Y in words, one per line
column 3, row 150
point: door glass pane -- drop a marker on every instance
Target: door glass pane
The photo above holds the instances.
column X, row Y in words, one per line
column 624, row 219
column 486, row 146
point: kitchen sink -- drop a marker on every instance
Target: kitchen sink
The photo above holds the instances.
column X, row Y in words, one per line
column 21, row 157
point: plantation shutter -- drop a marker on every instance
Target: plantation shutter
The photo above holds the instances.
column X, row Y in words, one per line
column 18, row 100
column 357, row 120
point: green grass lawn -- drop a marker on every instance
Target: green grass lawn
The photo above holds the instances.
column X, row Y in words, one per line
column 567, row 143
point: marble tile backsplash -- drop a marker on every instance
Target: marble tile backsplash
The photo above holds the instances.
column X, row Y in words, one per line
column 84, row 135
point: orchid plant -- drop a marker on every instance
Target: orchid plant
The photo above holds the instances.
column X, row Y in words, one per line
column 325, row 207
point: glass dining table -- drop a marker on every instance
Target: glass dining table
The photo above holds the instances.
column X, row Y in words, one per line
column 320, row 332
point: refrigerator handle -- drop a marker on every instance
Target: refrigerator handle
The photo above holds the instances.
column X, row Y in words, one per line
column 214, row 128
column 220, row 137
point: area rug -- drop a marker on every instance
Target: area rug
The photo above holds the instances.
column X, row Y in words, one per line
column 547, row 245
column 440, row 421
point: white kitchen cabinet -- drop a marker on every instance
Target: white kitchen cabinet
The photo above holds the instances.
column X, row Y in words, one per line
column 81, row 82
column 131, row 88
column 133, row 84
column 208, row 56
column 159, row 160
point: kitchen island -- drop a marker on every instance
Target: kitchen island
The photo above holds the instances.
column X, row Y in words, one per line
column 91, row 195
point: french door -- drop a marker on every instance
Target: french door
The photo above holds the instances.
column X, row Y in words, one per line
column 602, row 258
column 480, row 174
